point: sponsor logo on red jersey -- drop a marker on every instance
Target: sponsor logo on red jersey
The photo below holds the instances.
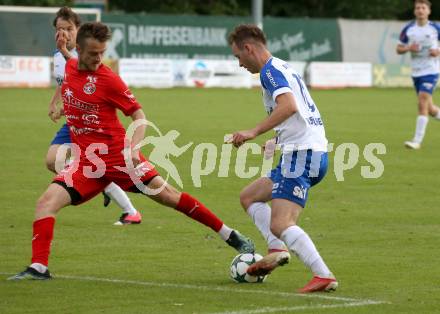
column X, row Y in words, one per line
column 90, row 87
column 74, row 102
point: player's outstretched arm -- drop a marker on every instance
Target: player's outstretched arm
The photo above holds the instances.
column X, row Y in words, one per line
column 54, row 113
column 286, row 107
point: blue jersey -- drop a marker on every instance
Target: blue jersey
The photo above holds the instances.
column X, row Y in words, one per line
column 305, row 128
column 427, row 37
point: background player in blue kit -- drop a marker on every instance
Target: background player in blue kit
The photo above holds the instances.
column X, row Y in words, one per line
column 66, row 24
column 301, row 135
column 420, row 38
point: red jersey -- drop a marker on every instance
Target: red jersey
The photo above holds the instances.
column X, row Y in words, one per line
column 90, row 101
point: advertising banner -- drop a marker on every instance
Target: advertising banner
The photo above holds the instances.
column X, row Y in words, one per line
column 170, row 36
column 392, row 75
column 163, row 73
column 24, row 71
column 147, row 72
column 216, row 73
column 371, row 41
column 339, row 75
column 205, row 37
column 302, row 39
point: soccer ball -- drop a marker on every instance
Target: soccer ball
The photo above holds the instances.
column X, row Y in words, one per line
column 239, row 266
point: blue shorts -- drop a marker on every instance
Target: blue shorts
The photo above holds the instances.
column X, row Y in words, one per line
column 62, row 136
column 425, row 83
column 296, row 173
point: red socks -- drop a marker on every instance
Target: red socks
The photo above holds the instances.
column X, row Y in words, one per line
column 197, row 211
column 43, row 228
column 42, row 238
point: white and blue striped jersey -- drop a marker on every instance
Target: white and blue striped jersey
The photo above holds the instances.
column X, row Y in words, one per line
column 305, row 128
column 427, row 37
column 59, row 63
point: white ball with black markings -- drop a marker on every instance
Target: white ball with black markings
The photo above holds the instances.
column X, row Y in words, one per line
column 239, row 266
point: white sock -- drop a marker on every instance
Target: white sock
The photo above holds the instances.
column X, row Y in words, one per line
column 437, row 116
column 120, row 198
column 300, row 243
column 224, row 232
column 260, row 214
column 39, row 267
column 421, row 123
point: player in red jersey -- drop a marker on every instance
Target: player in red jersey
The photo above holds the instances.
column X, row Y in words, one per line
column 66, row 24
column 92, row 93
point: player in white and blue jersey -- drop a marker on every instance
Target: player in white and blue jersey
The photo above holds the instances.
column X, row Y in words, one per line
column 420, row 37
column 66, row 24
column 300, row 133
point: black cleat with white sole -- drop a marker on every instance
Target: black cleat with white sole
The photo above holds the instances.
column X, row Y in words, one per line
column 241, row 243
column 31, row 273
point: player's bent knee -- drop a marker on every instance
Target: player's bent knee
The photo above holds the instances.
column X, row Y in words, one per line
column 275, row 231
column 52, row 200
column 245, row 199
column 424, row 101
column 50, row 166
column 50, row 163
column 169, row 196
column 433, row 111
column 278, row 228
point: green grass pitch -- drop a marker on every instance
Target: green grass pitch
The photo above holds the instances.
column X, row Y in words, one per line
column 379, row 236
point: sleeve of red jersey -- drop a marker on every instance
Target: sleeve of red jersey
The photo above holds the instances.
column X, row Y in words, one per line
column 121, row 97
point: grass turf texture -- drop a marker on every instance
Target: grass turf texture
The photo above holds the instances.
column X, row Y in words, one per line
column 379, row 236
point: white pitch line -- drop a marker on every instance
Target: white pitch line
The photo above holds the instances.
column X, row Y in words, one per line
column 302, row 308
column 213, row 288
column 210, row 288
column 207, row 288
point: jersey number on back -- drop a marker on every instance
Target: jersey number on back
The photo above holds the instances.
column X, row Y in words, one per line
column 308, row 101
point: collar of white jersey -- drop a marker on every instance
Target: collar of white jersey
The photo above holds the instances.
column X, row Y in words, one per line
column 268, row 60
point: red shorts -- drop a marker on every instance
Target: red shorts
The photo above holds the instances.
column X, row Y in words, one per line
column 85, row 179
